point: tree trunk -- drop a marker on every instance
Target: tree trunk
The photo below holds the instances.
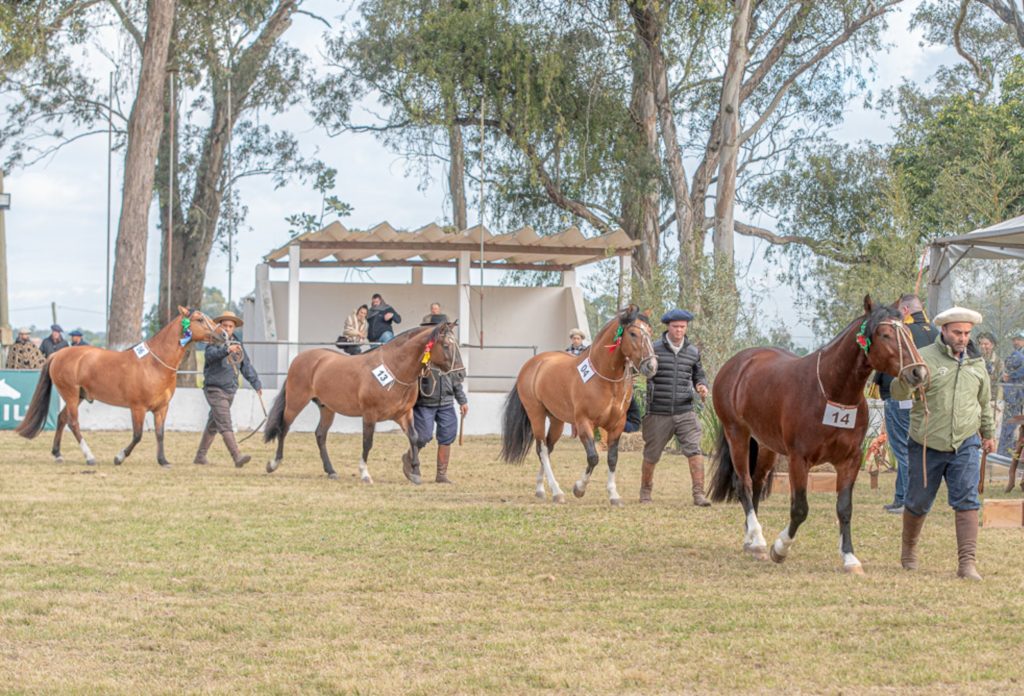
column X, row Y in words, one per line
column 457, row 176
column 145, row 126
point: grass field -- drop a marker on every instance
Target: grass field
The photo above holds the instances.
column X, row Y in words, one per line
column 210, row 579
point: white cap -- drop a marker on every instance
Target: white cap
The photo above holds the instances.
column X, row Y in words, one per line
column 955, row 315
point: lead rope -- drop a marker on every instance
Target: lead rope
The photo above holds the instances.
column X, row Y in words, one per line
column 235, row 361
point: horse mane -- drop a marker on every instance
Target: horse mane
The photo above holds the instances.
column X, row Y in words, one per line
column 401, row 339
column 877, row 315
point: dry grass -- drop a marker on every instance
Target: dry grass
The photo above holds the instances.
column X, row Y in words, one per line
column 138, row 580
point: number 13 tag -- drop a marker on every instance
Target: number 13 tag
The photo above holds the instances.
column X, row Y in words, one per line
column 839, row 416
column 383, row 375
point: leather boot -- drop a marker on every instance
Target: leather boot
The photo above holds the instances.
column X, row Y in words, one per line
column 697, row 477
column 232, row 444
column 204, row 447
column 646, row 482
column 444, row 453
column 912, row 525
column 966, row 543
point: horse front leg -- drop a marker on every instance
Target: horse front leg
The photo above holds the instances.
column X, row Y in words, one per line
column 845, row 477
column 797, row 509
column 585, row 430
column 364, row 471
column 613, row 459
column 410, row 458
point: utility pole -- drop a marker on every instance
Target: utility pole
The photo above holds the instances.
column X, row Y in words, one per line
column 6, row 338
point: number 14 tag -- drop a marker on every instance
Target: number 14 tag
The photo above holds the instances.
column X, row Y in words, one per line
column 839, row 416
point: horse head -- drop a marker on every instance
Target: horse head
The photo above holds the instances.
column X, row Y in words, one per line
column 202, row 327
column 443, row 348
column 889, row 345
column 635, row 340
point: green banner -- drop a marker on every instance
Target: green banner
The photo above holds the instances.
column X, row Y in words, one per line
column 16, row 389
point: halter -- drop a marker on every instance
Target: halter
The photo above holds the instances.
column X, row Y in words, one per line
column 425, row 363
column 629, row 370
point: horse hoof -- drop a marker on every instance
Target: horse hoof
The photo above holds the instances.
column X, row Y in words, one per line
column 615, row 502
column 333, row 475
column 541, row 495
column 855, row 569
column 577, row 491
column 367, row 480
column 774, row 556
column 558, row 499
column 58, row 459
column 164, row 465
column 272, row 466
column 90, row 462
column 117, row 461
column 760, row 553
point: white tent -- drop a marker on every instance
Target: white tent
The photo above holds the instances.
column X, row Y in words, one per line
column 1002, row 241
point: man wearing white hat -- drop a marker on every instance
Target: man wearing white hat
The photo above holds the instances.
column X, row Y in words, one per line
column 944, row 443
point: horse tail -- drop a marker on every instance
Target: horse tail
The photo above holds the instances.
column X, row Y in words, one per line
column 724, row 483
column 275, row 418
column 516, row 429
column 35, row 418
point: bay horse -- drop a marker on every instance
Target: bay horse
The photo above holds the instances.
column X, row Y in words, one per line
column 380, row 384
column 812, row 410
column 590, row 390
column 142, row 378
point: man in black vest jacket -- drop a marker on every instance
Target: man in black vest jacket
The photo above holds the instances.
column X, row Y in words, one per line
column 670, row 402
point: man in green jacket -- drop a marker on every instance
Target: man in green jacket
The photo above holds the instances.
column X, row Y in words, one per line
column 944, row 442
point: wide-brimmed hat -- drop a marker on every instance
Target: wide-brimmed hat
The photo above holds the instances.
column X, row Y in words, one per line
column 955, row 315
column 432, row 319
column 1019, row 335
column 577, row 332
column 228, row 314
column 24, row 330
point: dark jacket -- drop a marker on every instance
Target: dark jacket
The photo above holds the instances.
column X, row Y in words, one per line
column 220, row 373
column 437, row 390
column 78, row 345
column 49, row 346
column 671, row 390
column 378, row 324
column 924, row 335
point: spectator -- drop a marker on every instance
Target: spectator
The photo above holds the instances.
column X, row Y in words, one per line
column 220, row 373
column 1013, row 394
column 76, row 339
column 434, row 407
column 576, row 339
column 435, row 311
column 24, row 355
column 994, row 366
column 897, row 412
column 380, row 319
column 356, row 332
column 54, row 342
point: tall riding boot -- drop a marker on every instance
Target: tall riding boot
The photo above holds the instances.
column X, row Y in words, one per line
column 444, row 453
column 697, row 476
column 232, row 444
column 204, row 447
column 646, row 482
column 966, row 543
column 912, row 525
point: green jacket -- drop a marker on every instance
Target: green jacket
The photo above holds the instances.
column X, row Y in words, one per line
column 958, row 398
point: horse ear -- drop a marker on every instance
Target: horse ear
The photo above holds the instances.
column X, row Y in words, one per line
column 869, row 304
column 182, row 311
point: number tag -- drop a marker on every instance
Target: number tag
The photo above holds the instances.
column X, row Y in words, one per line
column 839, row 416
column 906, row 404
column 586, row 370
column 141, row 350
column 383, row 375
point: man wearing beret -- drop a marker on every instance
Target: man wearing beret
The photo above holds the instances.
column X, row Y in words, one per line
column 76, row 339
column 54, row 342
column 944, row 443
column 670, row 402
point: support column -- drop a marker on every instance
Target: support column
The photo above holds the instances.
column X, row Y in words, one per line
column 625, row 279
column 462, row 282
column 6, row 336
column 294, row 261
column 940, row 280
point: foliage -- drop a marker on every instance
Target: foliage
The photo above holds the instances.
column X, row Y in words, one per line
column 213, row 305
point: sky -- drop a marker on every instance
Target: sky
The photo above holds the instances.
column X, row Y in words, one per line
column 57, row 225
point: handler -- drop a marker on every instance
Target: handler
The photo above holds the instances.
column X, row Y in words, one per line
column 434, row 406
column 670, row 404
column 220, row 374
column 959, row 406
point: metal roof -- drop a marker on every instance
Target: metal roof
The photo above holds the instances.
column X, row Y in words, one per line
column 433, row 245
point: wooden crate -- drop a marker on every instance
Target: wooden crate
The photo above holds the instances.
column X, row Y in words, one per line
column 780, row 483
column 817, row 482
column 1001, row 514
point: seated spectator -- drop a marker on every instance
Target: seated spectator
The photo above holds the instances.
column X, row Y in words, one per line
column 76, row 339
column 576, row 342
column 435, row 311
column 24, row 355
column 356, row 332
column 380, row 319
column 54, row 342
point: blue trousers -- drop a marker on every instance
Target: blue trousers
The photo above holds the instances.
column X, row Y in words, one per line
column 386, row 336
column 424, row 418
column 897, row 426
column 960, row 469
column 1008, row 433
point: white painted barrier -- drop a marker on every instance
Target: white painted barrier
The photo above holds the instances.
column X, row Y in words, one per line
column 189, row 409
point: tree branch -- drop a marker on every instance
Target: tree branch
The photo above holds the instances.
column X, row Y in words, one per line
column 786, row 239
column 129, row 26
column 978, row 69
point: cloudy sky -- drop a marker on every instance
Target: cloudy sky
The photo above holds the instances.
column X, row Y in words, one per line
column 57, row 225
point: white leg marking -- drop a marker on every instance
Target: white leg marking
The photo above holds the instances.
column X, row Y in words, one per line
column 581, row 484
column 755, row 535
column 782, row 543
column 364, row 472
column 613, row 490
column 540, row 482
column 86, row 451
column 545, row 460
column 849, row 560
